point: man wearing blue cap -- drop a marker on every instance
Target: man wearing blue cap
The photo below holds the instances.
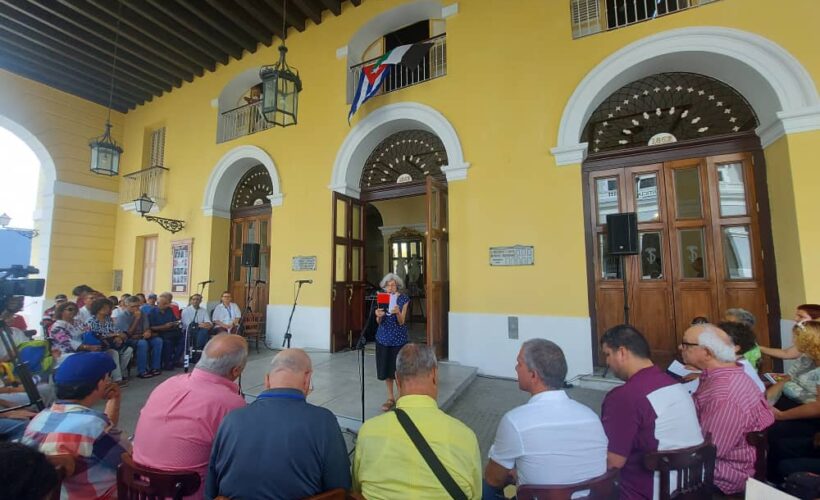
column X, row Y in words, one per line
column 72, row 427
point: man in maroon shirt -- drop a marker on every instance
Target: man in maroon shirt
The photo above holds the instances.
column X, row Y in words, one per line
column 729, row 404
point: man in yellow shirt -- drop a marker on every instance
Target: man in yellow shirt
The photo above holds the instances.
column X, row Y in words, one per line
column 388, row 465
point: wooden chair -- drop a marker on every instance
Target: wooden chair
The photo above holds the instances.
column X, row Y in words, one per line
column 604, row 487
column 253, row 326
column 760, row 441
column 337, row 494
column 695, row 469
column 135, row 482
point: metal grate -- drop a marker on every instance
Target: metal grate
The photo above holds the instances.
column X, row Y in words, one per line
column 158, row 148
column 593, row 16
column 686, row 105
column 407, row 156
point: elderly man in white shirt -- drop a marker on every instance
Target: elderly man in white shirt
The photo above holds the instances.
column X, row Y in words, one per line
column 197, row 321
column 226, row 315
column 551, row 440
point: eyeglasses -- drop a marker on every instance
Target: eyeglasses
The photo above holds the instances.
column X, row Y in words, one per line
column 684, row 345
column 72, row 309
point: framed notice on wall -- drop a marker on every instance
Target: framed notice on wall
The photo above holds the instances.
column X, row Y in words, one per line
column 181, row 252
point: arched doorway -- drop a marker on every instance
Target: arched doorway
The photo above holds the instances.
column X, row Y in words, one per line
column 250, row 224
column 679, row 150
column 402, row 180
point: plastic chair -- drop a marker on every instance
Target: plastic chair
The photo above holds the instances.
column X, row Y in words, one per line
column 135, row 482
column 603, row 487
column 695, row 467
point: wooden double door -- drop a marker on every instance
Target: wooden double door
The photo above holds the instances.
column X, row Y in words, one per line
column 348, row 290
column 699, row 242
column 250, row 226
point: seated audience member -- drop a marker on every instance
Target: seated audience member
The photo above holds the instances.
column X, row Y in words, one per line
column 744, row 317
column 744, row 340
column 226, row 314
column 650, row 412
column 551, row 439
column 141, row 338
column 196, row 318
column 799, row 386
column 729, row 404
column 13, row 422
column 699, row 320
column 804, row 312
column 178, row 423
column 79, row 293
column 71, row 426
column 388, row 465
column 84, row 314
column 280, row 446
column 25, row 473
column 162, row 320
column 120, row 306
column 48, row 315
column 66, row 334
column 142, row 298
column 795, row 454
column 11, row 388
column 110, row 339
column 149, row 303
column 13, row 306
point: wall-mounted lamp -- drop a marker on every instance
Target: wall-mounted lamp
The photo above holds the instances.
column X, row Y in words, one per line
column 5, row 220
column 143, row 205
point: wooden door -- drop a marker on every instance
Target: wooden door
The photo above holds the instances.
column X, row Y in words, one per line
column 348, row 283
column 436, row 269
column 250, row 226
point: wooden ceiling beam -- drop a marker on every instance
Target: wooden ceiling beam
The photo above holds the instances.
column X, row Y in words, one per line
column 263, row 14
column 68, row 50
column 194, row 24
column 42, row 73
column 185, row 68
column 309, row 9
column 69, row 65
column 206, row 14
column 45, row 16
column 184, row 34
column 334, row 6
column 293, row 19
column 244, row 22
column 58, row 34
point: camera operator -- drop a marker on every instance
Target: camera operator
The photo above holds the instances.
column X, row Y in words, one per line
column 10, row 389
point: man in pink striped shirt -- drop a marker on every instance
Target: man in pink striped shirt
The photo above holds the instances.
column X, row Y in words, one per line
column 178, row 423
column 729, row 404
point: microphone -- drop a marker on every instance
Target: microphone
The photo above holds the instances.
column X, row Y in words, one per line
column 260, row 282
column 206, row 282
column 310, row 282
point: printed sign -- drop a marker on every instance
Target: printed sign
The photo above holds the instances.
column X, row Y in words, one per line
column 181, row 265
column 304, row 263
column 662, row 138
column 518, row 255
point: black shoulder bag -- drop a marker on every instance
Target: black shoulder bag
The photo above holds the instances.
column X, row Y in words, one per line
column 430, row 457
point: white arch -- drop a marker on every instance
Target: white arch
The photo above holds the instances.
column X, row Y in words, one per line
column 380, row 124
column 227, row 173
column 777, row 86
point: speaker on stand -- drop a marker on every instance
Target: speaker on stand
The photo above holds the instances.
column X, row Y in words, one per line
column 622, row 240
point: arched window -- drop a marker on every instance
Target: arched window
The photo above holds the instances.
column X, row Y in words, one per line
column 407, row 156
column 253, row 189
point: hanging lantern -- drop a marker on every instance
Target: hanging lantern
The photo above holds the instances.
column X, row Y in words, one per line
column 105, row 153
column 143, row 204
column 5, row 220
column 280, row 91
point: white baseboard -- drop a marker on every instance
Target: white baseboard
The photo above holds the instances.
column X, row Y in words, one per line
column 482, row 340
column 310, row 328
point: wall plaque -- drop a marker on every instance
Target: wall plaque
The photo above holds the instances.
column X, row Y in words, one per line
column 304, row 263
column 518, row 255
column 181, row 251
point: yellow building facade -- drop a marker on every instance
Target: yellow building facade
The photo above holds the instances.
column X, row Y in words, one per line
column 511, row 114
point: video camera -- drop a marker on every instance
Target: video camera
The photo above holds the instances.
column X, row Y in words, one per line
column 14, row 281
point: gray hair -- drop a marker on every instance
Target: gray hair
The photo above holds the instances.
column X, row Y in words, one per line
column 415, row 360
column 546, row 359
column 742, row 316
column 133, row 300
column 709, row 339
column 229, row 358
column 392, row 277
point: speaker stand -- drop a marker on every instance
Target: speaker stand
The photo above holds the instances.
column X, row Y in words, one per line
column 626, row 290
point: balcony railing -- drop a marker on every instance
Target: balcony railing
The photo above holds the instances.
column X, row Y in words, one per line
column 433, row 65
column 244, row 120
column 593, row 16
column 150, row 181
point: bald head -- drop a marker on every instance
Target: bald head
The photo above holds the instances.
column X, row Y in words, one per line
column 224, row 355
column 290, row 368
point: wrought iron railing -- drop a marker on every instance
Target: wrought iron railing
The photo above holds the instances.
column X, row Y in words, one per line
column 433, row 65
column 593, row 16
column 150, row 181
column 241, row 121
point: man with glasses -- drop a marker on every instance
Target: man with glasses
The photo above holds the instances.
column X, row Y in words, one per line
column 226, row 315
column 141, row 338
column 650, row 412
column 729, row 404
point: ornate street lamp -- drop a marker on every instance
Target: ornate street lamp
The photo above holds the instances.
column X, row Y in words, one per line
column 280, row 86
column 5, row 220
column 105, row 152
column 144, row 204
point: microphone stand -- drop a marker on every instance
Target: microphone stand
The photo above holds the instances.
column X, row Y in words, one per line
column 286, row 340
column 360, row 345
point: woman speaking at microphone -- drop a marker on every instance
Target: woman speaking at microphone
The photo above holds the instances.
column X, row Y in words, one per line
column 392, row 333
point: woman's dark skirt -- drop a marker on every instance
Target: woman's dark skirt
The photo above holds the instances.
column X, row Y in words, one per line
column 386, row 360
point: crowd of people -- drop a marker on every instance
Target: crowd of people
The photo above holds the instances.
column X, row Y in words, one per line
column 281, row 446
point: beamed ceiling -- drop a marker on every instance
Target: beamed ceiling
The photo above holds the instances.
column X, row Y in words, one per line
column 69, row 44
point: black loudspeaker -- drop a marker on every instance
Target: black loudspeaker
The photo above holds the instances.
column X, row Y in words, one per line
column 622, row 233
column 250, row 255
